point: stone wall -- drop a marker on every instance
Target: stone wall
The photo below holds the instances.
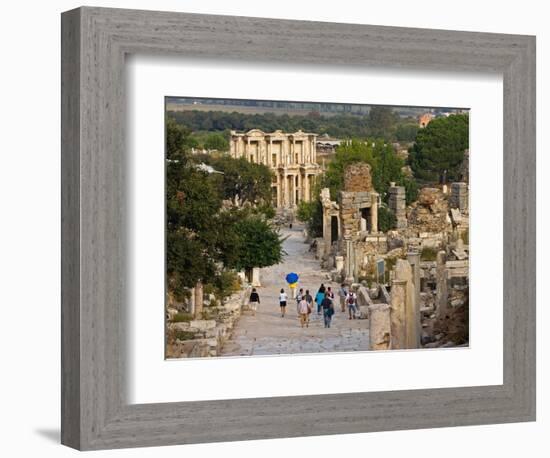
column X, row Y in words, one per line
column 430, row 213
column 397, row 204
column 357, row 178
column 203, row 337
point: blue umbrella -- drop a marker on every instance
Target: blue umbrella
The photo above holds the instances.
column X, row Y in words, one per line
column 292, row 278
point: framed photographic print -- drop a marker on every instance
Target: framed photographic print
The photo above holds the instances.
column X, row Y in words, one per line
column 269, row 225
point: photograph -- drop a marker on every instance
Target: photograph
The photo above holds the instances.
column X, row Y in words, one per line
column 299, row 227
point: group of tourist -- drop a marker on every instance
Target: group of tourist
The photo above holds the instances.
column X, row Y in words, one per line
column 324, row 301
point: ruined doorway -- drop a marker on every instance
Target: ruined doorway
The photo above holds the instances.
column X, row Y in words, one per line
column 366, row 220
column 333, row 229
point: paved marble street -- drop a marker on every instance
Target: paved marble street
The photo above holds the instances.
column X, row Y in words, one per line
column 268, row 333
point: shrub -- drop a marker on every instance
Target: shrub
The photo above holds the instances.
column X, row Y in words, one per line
column 184, row 335
column 226, row 283
column 428, row 254
column 386, row 219
column 182, row 317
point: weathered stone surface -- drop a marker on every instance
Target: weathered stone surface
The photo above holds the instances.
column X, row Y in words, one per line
column 379, row 326
column 403, row 271
column 398, row 314
column 357, row 177
column 428, row 196
column 202, row 325
column 441, row 285
column 459, row 196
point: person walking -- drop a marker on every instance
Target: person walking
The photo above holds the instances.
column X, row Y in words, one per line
column 282, row 302
column 309, row 300
column 328, row 310
column 299, row 296
column 352, row 304
column 343, row 294
column 254, row 301
column 319, row 299
column 330, row 294
column 303, row 311
column 322, row 288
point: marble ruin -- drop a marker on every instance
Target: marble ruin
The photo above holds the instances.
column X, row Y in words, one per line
column 426, row 256
column 291, row 156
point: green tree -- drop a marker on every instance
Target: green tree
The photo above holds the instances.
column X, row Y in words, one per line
column 406, row 132
column 382, row 122
column 244, row 180
column 260, row 245
column 439, row 148
column 216, row 141
column 386, row 219
column 311, row 213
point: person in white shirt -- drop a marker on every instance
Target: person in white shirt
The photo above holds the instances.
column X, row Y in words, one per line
column 282, row 302
column 352, row 304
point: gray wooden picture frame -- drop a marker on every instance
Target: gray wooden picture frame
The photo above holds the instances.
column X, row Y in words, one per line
column 95, row 412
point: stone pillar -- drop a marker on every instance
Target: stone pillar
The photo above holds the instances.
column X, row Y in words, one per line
column 278, row 189
column 199, row 298
column 292, row 192
column 256, row 276
column 379, row 326
column 414, row 260
column 191, row 307
column 350, row 262
column 459, row 196
column 306, row 188
column 441, row 293
column 285, row 189
column 374, row 212
column 403, row 271
column 398, row 314
column 397, row 204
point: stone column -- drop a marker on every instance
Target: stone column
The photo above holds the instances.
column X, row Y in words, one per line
column 441, row 293
column 397, row 204
column 459, row 196
column 285, row 189
column 291, row 193
column 350, row 262
column 374, row 213
column 398, row 314
column 191, row 307
column 414, row 261
column 278, row 189
column 198, row 299
column 403, row 271
column 256, row 276
column 379, row 326
column 307, row 191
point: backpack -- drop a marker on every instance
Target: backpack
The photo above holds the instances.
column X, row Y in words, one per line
column 351, row 299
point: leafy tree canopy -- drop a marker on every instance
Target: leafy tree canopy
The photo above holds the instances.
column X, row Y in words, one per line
column 260, row 244
column 381, row 122
column 439, row 148
column 204, row 238
column 216, row 141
